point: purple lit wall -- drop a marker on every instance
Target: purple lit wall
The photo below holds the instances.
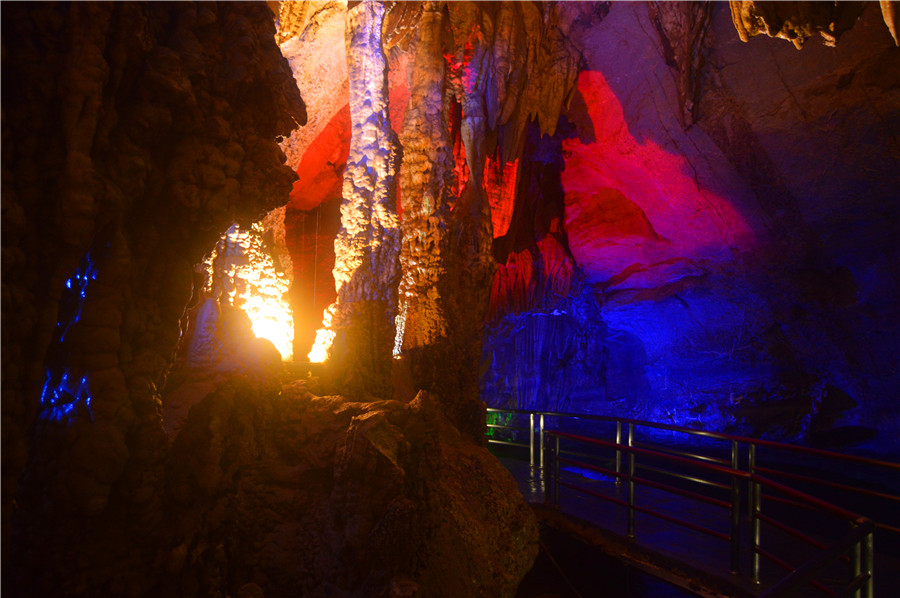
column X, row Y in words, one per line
column 740, row 272
column 719, row 253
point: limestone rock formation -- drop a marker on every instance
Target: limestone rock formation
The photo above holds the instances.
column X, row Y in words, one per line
column 244, row 272
column 797, row 21
column 425, row 183
column 325, row 497
column 682, row 27
column 366, row 269
column 616, row 208
column 890, row 10
column 239, row 319
column 133, row 134
column 710, row 188
column 311, row 38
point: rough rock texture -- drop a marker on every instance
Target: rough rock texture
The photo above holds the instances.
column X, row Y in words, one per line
column 133, row 135
column 471, row 77
column 555, row 359
column 425, row 182
column 688, row 228
column 795, row 21
column 732, row 206
column 163, row 131
column 329, row 498
column 708, row 192
column 681, row 28
column 311, row 38
column 366, row 267
column 245, row 272
column 890, row 10
column 239, row 320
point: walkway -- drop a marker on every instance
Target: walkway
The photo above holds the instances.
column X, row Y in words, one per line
column 591, row 506
column 657, row 549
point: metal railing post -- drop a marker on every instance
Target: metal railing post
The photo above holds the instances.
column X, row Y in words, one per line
column 754, row 499
column 541, row 432
column 556, row 472
column 550, row 481
column 630, row 481
column 856, row 563
column 869, row 563
column 618, row 452
column 735, row 511
column 531, row 438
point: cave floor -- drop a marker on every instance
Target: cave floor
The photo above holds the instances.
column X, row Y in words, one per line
column 567, row 567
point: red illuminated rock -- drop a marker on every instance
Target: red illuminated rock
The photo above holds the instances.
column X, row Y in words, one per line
column 320, row 174
column 631, row 206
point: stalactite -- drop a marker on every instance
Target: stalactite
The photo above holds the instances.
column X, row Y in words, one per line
column 796, row 21
column 889, row 11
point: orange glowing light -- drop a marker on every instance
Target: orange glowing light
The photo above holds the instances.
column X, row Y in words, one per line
column 242, row 272
column 324, row 338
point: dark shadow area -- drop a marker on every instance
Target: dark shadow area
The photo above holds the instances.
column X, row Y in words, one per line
column 568, row 568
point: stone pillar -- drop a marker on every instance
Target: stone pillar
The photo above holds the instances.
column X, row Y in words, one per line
column 426, row 193
column 444, row 337
column 366, row 268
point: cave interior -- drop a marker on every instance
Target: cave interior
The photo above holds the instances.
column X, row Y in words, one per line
column 265, row 264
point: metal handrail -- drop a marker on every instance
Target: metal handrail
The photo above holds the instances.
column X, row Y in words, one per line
column 708, row 434
column 858, row 543
column 750, row 443
column 860, row 535
column 798, row 576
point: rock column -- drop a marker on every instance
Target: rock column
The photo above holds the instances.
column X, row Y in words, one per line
column 425, row 182
column 366, row 269
column 472, row 266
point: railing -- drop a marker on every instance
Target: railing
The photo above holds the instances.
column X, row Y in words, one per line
column 716, row 471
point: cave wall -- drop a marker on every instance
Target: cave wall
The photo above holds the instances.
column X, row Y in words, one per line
column 732, row 206
column 700, row 233
column 133, row 135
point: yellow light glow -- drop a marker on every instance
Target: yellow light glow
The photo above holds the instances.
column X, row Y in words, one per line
column 400, row 327
column 324, row 338
column 245, row 273
column 271, row 320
